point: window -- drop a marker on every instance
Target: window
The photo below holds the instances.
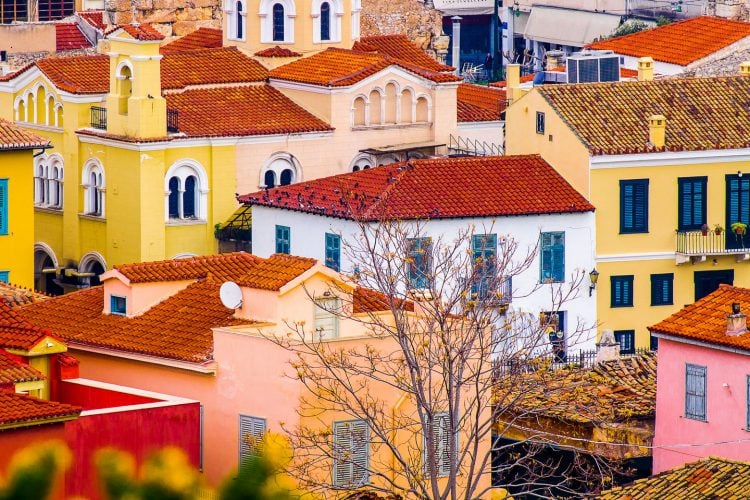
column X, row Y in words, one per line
column 3, row 206
column 278, row 23
column 174, row 198
column 539, row 122
column 418, row 259
column 117, row 305
column 13, row 10
column 281, row 169
column 333, row 251
column 484, row 249
column 738, row 208
column 662, row 289
column 326, row 317
column 691, row 206
column 48, row 182
column 622, row 291
column 626, row 339
column 695, row 392
column 93, row 186
column 747, row 403
column 325, row 22
column 4, row 276
column 441, row 440
column 251, row 432
column 240, row 20
column 351, row 454
column 634, row 206
column 654, row 342
column 186, row 191
column 282, row 239
column 552, row 268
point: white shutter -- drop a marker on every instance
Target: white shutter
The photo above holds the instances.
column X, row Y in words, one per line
column 327, row 322
column 351, row 452
column 251, row 432
column 441, row 438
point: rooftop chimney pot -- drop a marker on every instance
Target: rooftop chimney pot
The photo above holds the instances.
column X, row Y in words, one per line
column 736, row 322
column 645, row 69
column 657, row 130
column 608, row 348
column 745, row 68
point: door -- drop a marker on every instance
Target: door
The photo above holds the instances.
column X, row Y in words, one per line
column 708, row 281
column 738, row 209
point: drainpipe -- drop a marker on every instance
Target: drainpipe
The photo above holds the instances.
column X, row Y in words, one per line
column 457, row 43
column 399, row 402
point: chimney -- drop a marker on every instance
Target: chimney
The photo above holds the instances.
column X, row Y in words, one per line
column 736, row 322
column 608, row 348
column 745, row 68
column 657, row 130
column 645, row 69
column 554, row 59
column 512, row 80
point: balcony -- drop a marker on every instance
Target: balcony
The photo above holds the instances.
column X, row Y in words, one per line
column 98, row 117
column 173, row 119
column 695, row 246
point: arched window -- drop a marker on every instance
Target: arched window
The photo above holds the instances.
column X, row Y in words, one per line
column 270, row 178
column 407, row 103
column 48, row 181
column 363, row 161
column 92, row 262
column 356, row 8
column 286, row 177
column 124, row 75
column 423, row 110
column 186, row 190
column 240, row 19
column 278, row 22
column 280, row 169
column 41, row 106
column 59, row 116
column 93, row 187
column 359, row 111
column 49, row 115
column 325, row 22
column 391, row 103
column 21, row 111
column 375, row 107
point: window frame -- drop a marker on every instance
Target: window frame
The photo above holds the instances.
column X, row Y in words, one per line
column 484, row 254
column 274, row 23
column 115, row 300
column 629, row 346
column 540, row 122
column 683, row 198
column 283, row 242
column 338, row 462
column 441, row 471
column 702, row 371
column 627, row 299
column 550, row 249
column 634, row 184
column 333, row 251
column 251, row 421
column 658, row 293
column 415, row 275
column 4, row 276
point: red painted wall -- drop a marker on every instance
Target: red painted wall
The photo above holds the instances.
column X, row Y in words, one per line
column 94, row 398
column 14, row 440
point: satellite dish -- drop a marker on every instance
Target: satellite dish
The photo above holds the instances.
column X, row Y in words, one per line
column 230, row 294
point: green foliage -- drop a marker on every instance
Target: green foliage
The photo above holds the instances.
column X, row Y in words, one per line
column 662, row 20
column 629, row 27
column 33, row 471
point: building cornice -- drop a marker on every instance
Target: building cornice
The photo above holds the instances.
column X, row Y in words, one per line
column 668, row 158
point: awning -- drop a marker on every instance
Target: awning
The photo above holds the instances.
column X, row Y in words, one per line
column 569, row 27
column 400, row 148
column 464, row 7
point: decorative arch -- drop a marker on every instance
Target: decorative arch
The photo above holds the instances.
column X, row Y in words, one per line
column 236, row 11
column 45, row 258
column 19, row 106
column 376, row 102
column 391, row 102
column 283, row 168
column 48, row 181
column 59, row 115
column 362, row 161
column 407, row 103
column 423, row 109
column 124, row 74
column 360, row 106
column 184, row 255
column 93, row 262
column 186, row 191
column 266, row 20
column 335, row 12
column 93, row 183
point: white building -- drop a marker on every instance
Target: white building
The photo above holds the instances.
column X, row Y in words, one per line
column 498, row 200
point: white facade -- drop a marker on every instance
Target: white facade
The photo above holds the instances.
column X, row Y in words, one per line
column 307, row 239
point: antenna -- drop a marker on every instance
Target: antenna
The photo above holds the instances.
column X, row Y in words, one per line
column 231, row 295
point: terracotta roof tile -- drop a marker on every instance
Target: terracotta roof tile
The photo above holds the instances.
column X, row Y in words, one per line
column 477, row 103
column 710, row 478
column 94, row 17
column 78, row 74
column 681, row 42
column 612, row 118
column 400, row 47
column 613, row 391
column 256, row 110
column 436, row 188
column 340, row 68
column 68, row 36
column 21, row 409
column 226, row 266
column 16, row 332
column 275, row 272
column 14, row 137
column 209, row 66
column 706, row 319
column 202, row 38
column 365, row 300
column 277, row 52
column 14, row 295
column 144, row 32
column 13, row 371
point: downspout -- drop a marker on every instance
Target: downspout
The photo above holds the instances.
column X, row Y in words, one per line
column 399, row 402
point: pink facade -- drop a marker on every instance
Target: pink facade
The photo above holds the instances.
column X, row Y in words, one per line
column 679, row 440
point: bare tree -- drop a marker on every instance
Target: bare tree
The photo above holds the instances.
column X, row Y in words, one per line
column 433, row 324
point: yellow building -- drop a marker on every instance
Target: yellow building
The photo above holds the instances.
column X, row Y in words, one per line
column 663, row 162
column 17, row 149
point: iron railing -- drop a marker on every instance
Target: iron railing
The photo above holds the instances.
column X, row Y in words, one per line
column 696, row 243
column 473, row 147
column 99, row 117
column 581, row 359
column 173, row 121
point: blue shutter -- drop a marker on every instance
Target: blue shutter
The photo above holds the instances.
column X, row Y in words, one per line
column 626, row 339
column 418, row 251
column 546, row 264
column 3, row 206
column 484, row 252
column 333, row 251
column 553, row 257
column 691, row 202
column 4, row 276
column 558, row 258
column 634, row 206
column 283, row 244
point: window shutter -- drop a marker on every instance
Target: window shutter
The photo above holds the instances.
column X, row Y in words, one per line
column 333, row 251
column 441, row 438
column 546, row 270
column 360, row 456
column 3, row 206
column 734, row 199
column 695, row 392
column 326, row 322
column 251, row 432
column 698, row 203
column 640, row 204
column 351, row 453
column 627, row 207
column 4, row 276
column 342, row 468
column 558, row 260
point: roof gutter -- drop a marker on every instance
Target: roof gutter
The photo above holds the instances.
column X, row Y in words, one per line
column 208, row 368
column 699, row 343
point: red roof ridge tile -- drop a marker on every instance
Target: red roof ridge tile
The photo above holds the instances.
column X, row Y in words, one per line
column 277, row 51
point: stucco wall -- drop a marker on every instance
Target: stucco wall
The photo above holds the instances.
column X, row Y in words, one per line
column 28, row 37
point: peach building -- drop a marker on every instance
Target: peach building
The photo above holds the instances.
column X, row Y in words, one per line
column 163, row 327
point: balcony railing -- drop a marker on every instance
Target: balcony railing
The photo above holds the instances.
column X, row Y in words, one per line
column 99, row 117
column 692, row 244
column 173, row 119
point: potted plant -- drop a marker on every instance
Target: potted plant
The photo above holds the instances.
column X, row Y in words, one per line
column 718, row 229
column 739, row 228
column 704, row 229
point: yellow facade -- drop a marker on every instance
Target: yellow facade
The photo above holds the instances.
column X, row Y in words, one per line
column 16, row 247
column 639, row 255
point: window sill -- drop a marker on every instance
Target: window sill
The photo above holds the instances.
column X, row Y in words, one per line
column 701, row 420
column 644, row 231
column 185, row 222
column 392, row 126
column 97, row 218
column 49, row 210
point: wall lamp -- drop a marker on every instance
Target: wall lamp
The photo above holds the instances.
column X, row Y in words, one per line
column 594, row 277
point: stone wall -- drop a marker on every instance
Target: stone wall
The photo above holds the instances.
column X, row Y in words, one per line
column 409, row 17
column 170, row 17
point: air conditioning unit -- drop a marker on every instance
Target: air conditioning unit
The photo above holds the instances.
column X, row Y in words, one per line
column 593, row 66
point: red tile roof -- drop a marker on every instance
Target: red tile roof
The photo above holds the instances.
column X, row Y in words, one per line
column 78, row 74
column 69, row 37
column 209, row 66
column 400, row 47
column 202, row 38
column 277, row 52
column 679, row 43
column 477, row 103
column 14, row 295
column 705, row 320
column 365, row 300
column 224, row 267
column 14, row 372
column 19, row 410
column 18, row 333
column 276, row 271
column 94, row 17
column 256, row 110
column 14, row 137
column 144, row 32
column 340, row 68
column 435, row 188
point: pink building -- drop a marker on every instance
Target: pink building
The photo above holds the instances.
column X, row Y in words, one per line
column 703, row 381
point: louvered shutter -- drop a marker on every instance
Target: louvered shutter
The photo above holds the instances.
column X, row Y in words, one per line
column 3, row 206
column 685, row 204
column 360, row 455
column 419, row 265
column 626, row 207
column 695, row 392
column 616, row 292
column 326, row 322
column 333, row 251
column 699, row 204
column 484, row 252
column 4, row 276
column 640, row 206
column 441, row 436
column 251, row 432
column 546, row 268
column 558, row 257
column 351, row 453
column 666, row 286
